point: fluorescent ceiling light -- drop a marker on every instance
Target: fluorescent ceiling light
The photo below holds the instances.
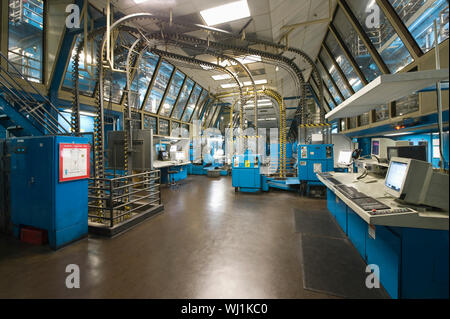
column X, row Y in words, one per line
column 399, row 134
column 221, row 77
column 228, row 85
column 139, row 1
column 225, row 13
column 257, row 82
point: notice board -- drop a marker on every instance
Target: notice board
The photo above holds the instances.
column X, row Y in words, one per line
column 73, row 162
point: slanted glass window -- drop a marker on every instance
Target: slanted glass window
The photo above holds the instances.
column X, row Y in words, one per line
column 215, row 116
column 86, row 122
column 386, row 41
column 115, row 82
column 150, row 123
column 407, row 105
column 183, row 99
column 209, row 115
column 87, row 69
column 330, row 85
column 174, row 90
column 142, row 78
column 186, row 126
column 343, row 63
column 25, row 42
column 335, row 75
column 159, row 87
column 163, row 127
column 419, row 15
column 201, row 102
column 382, row 113
column 192, row 103
column 325, row 94
column 356, row 46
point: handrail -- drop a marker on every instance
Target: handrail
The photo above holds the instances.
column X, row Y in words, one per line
column 26, row 103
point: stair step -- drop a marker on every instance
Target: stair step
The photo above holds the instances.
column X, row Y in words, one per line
column 4, row 117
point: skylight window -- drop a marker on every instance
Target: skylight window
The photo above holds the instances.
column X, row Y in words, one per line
column 226, row 13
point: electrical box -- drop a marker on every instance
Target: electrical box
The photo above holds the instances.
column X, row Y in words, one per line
column 49, row 186
column 246, row 176
column 140, row 150
column 313, row 159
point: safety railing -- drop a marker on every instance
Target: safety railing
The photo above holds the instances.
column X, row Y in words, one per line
column 113, row 201
column 25, row 98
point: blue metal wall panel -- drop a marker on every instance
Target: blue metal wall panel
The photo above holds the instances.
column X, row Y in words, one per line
column 357, row 229
column 385, row 251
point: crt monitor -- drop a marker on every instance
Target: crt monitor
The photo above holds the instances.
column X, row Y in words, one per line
column 395, row 177
column 345, row 157
column 376, row 147
column 418, row 152
column 407, row 179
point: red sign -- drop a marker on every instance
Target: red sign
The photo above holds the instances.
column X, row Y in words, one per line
column 73, row 162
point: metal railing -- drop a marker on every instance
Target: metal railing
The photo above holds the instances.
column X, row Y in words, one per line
column 25, row 98
column 113, row 201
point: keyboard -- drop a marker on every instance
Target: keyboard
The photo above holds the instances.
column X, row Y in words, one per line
column 350, row 192
column 370, row 204
column 333, row 181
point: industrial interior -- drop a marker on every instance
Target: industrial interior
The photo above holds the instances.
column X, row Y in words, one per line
column 239, row 149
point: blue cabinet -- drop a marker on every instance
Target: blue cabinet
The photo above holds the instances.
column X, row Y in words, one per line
column 38, row 198
column 341, row 214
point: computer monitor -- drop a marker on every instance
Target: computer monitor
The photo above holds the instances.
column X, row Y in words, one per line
column 406, row 178
column 163, row 156
column 375, row 147
column 180, row 156
column 345, row 157
column 395, row 177
column 418, row 152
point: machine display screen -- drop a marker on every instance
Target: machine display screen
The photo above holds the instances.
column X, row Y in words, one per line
column 345, row 157
column 375, row 147
column 396, row 175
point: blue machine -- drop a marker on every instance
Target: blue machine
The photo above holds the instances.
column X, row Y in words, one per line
column 312, row 159
column 42, row 195
column 246, row 176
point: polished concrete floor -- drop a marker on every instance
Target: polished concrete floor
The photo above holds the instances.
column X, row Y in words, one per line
column 209, row 242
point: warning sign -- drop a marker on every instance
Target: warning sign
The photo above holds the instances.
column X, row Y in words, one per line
column 73, row 162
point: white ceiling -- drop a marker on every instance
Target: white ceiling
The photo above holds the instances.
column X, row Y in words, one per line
column 269, row 16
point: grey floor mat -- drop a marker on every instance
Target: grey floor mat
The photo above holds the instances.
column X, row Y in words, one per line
column 316, row 222
column 333, row 266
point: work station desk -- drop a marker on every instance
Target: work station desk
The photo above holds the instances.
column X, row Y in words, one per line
column 411, row 249
column 167, row 167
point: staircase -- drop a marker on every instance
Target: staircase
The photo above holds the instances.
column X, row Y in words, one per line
column 24, row 111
